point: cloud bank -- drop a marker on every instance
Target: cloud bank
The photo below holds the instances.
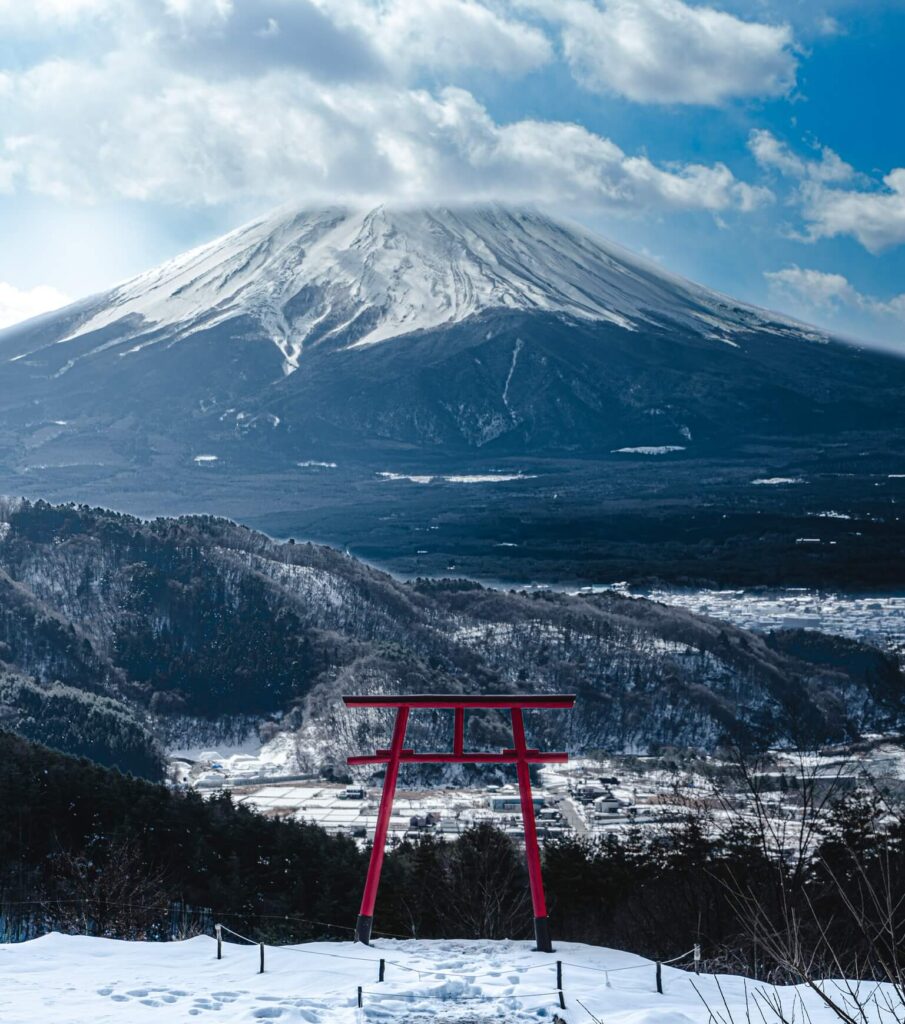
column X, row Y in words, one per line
column 822, row 291
column 19, row 304
column 870, row 212
column 223, row 101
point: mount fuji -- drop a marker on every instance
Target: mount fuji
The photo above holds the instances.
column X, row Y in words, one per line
column 487, row 344
column 348, row 279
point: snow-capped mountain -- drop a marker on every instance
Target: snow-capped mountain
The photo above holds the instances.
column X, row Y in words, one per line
column 348, row 278
column 318, row 359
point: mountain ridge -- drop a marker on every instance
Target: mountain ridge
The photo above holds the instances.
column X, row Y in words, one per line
column 164, row 627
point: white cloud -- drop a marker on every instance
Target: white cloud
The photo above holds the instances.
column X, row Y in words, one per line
column 203, row 12
column 875, row 218
column 827, row 25
column 667, row 51
column 814, row 288
column 335, row 39
column 13, row 12
column 19, row 304
column 445, row 35
column 773, row 154
column 819, row 290
column 128, row 126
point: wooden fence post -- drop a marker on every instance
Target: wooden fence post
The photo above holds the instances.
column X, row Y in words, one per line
column 659, row 977
column 697, row 958
column 381, row 969
column 261, row 971
column 562, row 998
column 219, row 933
column 359, row 997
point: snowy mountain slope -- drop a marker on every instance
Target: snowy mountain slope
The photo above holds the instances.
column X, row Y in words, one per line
column 351, row 277
column 71, row 979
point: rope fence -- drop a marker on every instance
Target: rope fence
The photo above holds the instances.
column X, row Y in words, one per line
column 177, row 907
column 469, row 976
column 381, row 963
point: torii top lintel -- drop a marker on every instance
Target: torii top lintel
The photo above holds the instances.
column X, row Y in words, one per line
column 446, row 700
column 514, row 703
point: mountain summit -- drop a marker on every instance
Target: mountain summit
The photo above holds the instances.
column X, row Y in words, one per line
column 344, row 278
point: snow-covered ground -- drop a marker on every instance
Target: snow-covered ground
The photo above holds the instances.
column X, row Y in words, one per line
column 457, row 478
column 80, row 980
column 648, row 449
column 876, row 618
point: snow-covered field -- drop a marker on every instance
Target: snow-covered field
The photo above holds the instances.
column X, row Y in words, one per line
column 80, row 980
column 877, row 618
column 458, row 478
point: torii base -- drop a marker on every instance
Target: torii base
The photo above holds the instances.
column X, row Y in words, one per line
column 542, row 935
column 363, row 929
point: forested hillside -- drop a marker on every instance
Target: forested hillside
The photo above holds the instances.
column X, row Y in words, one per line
column 153, row 626
column 84, row 849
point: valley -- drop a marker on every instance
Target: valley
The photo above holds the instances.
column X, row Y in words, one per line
column 828, row 518
column 597, row 796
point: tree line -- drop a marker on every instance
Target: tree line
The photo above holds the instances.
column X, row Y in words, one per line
column 86, row 849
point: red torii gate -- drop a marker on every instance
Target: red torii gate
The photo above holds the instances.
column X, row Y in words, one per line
column 519, row 754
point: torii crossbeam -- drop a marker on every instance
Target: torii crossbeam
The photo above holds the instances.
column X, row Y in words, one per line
column 519, row 754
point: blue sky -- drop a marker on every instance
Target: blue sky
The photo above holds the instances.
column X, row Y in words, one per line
column 754, row 146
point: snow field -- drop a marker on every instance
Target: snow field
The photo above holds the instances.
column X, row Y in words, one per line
column 76, row 980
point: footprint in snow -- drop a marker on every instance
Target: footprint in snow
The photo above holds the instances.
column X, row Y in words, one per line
column 150, row 1002
column 137, row 992
column 268, row 1012
column 104, row 991
column 207, row 1004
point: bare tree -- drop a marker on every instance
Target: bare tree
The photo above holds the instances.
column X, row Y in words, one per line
column 115, row 895
column 484, row 893
column 836, row 925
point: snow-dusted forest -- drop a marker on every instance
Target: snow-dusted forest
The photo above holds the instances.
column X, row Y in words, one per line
column 120, row 636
